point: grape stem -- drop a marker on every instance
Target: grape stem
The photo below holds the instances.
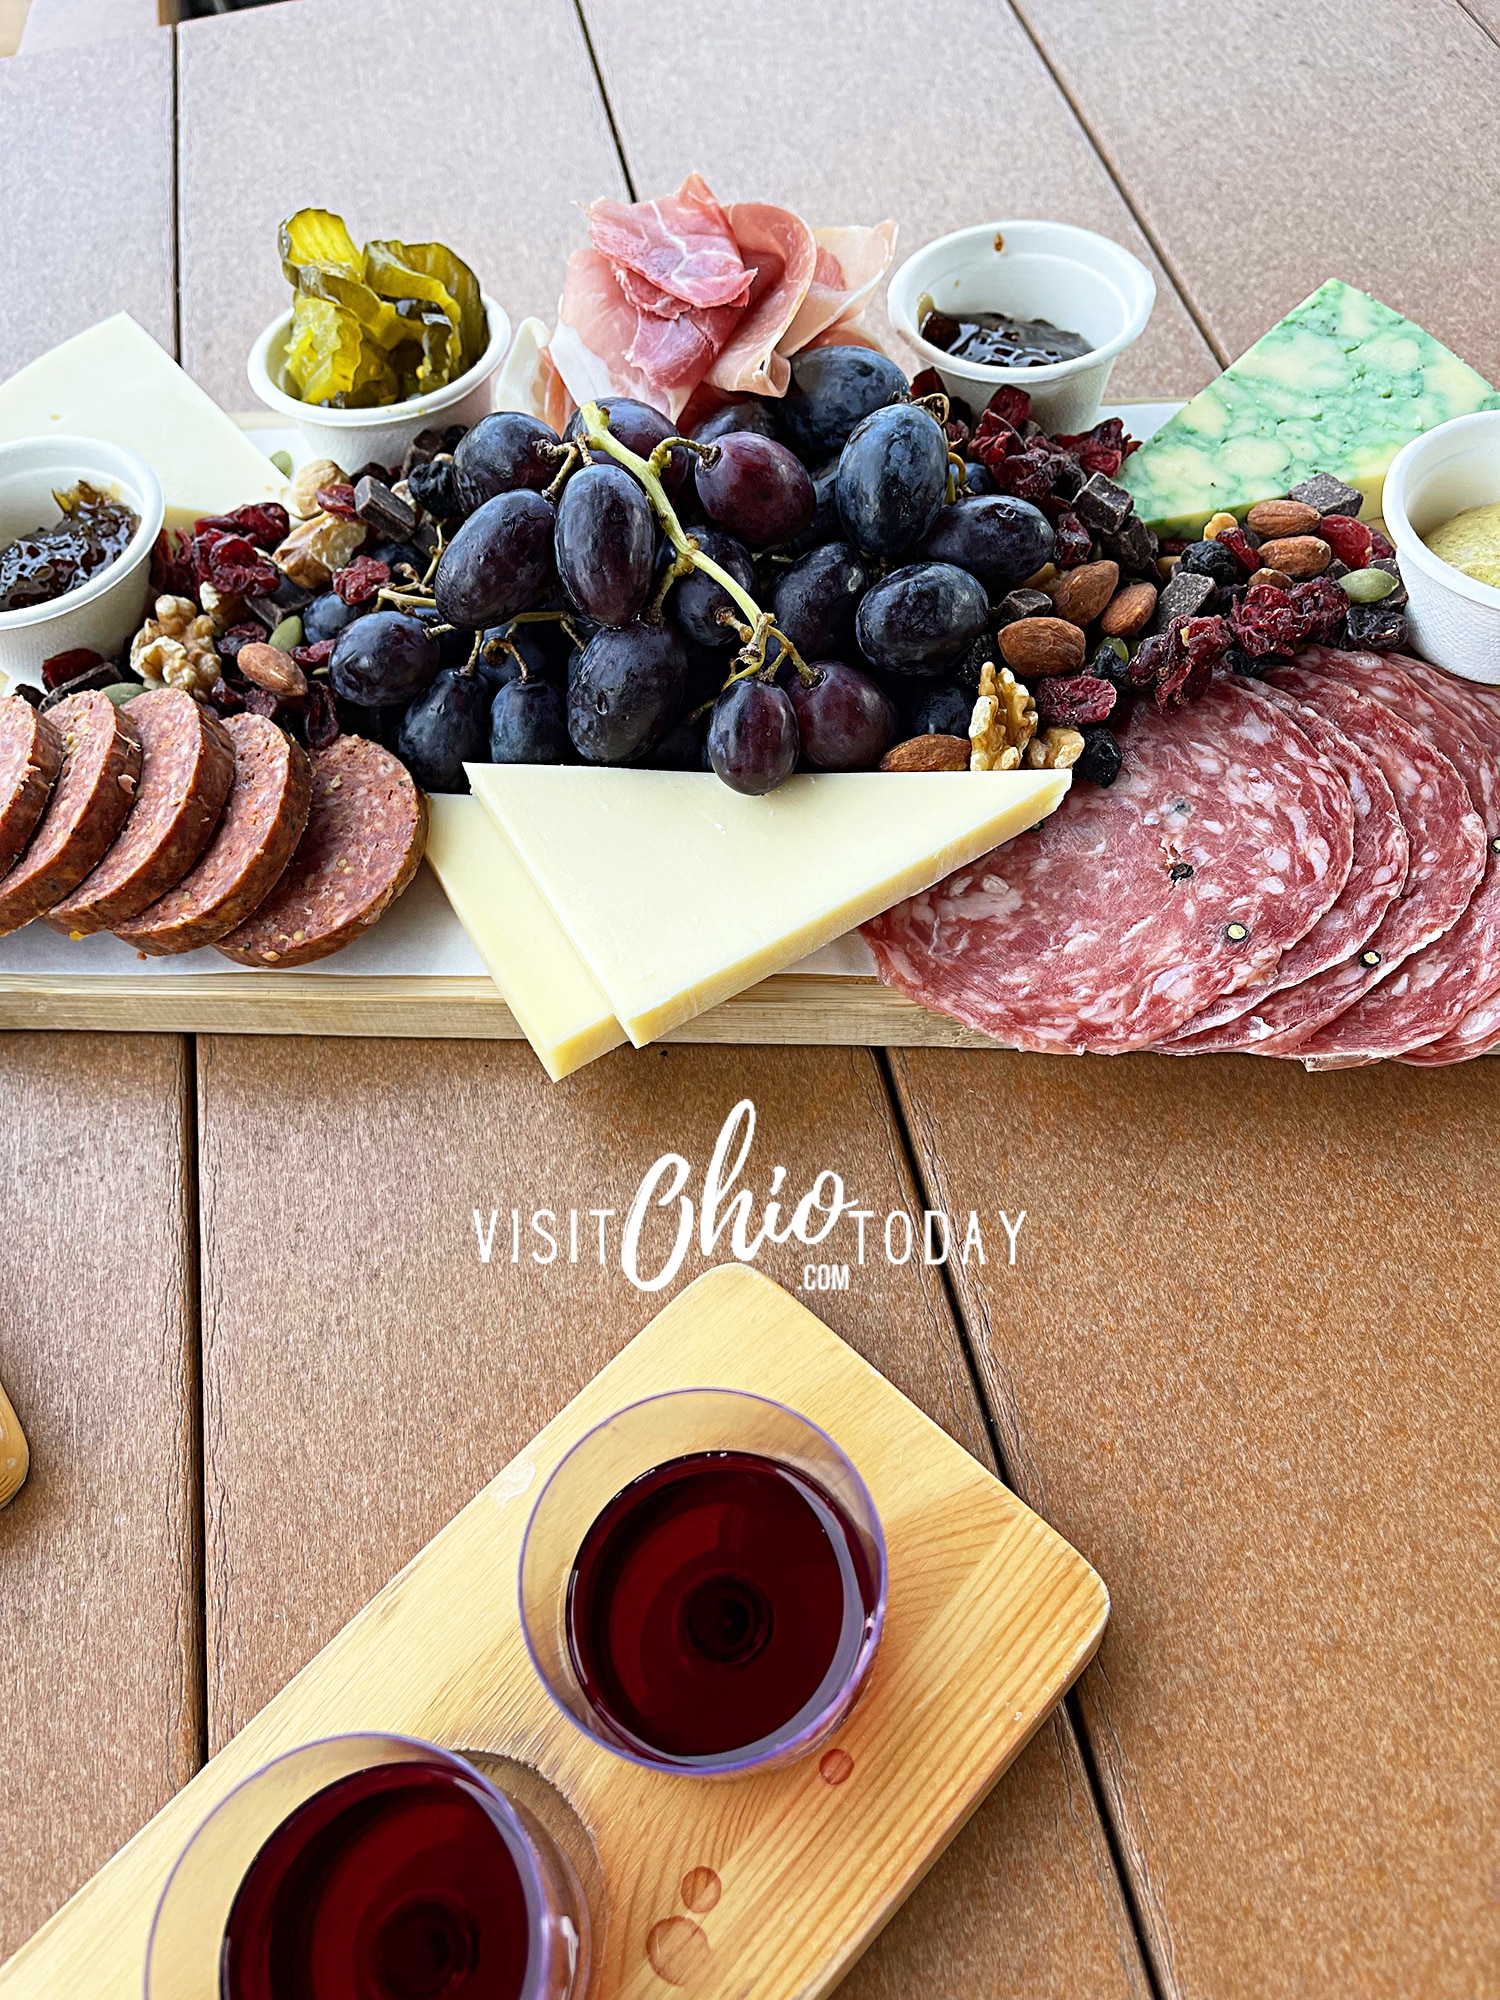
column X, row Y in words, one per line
column 649, row 472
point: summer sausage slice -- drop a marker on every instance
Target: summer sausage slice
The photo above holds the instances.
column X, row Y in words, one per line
column 187, row 767
column 262, row 824
column 95, row 790
column 31, row 755
column 365, row 837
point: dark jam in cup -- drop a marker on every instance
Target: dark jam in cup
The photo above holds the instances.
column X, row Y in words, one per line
column 1001, row 340
column 393, row 1884
column 49, row 562
column 719, row 1602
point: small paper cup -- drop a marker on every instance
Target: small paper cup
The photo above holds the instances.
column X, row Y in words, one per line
column 1454, row 619
column 352, row 438
column 1038, row 270
column 105, row 612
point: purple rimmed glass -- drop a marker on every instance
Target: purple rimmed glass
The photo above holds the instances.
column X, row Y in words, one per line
column 375, row 1864
column 703, row 1584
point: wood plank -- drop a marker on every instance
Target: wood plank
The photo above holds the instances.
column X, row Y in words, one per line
column 939, row 116
column 480, row 128
column 86, row 192
column 99, row 1552
column 345, row 1290
column 1244, row 1362
column 1269, row 149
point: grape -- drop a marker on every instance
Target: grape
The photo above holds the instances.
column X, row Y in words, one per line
column 624, row 691
column 454, row 643
column 756, row 489
column 846, row 722
column 696, row 600
column 606, row 542
column 501, row 453
column 752, row 736
column 919, row 619
column 681, row 749
column 831, row 389
column 750, row 413
column 327, row 616
column 445, row 728
column 640, row 429
column 998, row 539
column 815, row 601
column 977, row 477
column 543, row 648
column 382, row 658
column 825, row 525
column 942, row 711
column 500, row 561
column 529, row 724
column 392, row 554
column 892, row 475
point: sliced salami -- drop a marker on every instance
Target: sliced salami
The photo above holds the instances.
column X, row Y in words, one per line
column 94, row 791
column 366, row 832
column 262, row 824
column 1432, row 991
column 31, row 755
column 1446, row 843
column 1223, row 841
column 1374, row 881
column 187, row 767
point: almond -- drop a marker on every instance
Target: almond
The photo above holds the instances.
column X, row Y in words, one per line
column 1128, row 611
column 1079, row 595
column 1297, row 556
column 1274, row 520
column 1278, row 577
column 268, row 667
column 928, row 753
column 1036, row 647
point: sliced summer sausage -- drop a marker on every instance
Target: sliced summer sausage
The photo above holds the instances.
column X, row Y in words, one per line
column 262, row 824
column 94, row 791
column 187, row 767
column 31, row 755
column 364, row 841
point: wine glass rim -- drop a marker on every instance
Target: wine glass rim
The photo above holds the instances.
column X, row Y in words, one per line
column 737, row 1764
column 519, row 1843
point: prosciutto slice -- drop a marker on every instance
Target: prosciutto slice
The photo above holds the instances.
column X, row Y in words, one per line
column 779, row 248
column 683, row 244
column 850, row 264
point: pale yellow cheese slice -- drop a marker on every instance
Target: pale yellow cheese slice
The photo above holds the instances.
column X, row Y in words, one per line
column 114, row 382
column 678, row 892
column 557, row 1002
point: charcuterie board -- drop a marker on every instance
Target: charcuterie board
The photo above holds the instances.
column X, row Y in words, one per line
column 761, row 1887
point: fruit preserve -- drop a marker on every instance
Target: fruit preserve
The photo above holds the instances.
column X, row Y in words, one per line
column 717, row 1604
column 395, row 1883
column 1001, row 340
column 49, row 562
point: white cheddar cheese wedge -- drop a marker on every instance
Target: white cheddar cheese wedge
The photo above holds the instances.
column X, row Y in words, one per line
column 115, row 383
column 557, row 1002
column 678, row 892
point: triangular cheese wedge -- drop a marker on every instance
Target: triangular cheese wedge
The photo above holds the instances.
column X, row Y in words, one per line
column 558, row 1004
column 678, row 892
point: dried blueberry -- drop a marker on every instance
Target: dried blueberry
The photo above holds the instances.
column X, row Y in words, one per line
column 1111, row 663
column 1101, row 759
column 1238, row 661
column 980, row 655
column 1377, row 628
column 433, row 487
column 1210, row 559
column 943, row 711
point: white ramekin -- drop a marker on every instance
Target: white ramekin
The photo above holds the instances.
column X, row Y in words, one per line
column 1454, row 619
column 106, row 611
column 352, row 438
column 1040, row 270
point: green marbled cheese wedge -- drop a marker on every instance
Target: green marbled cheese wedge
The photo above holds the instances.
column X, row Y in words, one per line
column 1338, row 386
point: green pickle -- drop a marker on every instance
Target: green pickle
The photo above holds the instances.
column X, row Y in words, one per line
column 375, row 326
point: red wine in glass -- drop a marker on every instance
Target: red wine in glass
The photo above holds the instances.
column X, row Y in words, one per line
column 395, row 1883
column 717, row 1603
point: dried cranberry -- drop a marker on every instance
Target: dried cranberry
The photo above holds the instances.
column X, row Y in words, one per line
column 1172, row 545
column 1321, row 608
column 1103, row 449
column 261, row 701
column 994, row 440
column 1074, row 699
column 1205, row 640
column 1013, row 406
column 248, row 634
column 1381, row 550
column 265, row 523
column 172, row 564
column 233, row 565
column 1350, row 540
column 1072, row 543
column 927, row 382
column 958, row 435
column 1026, row 474
column 318, row 654
column 226, row 700
column 1154, row 656
column 1266, row 621
column 337, row 500
column 1183, row 682
column 69, row 665
column 1244, row 546
column 320, row 717
column 358, row 581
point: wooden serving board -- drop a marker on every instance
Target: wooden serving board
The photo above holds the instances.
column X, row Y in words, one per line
column 764, row 1887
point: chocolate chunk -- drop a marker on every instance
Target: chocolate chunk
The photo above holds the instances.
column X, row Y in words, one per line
column 1329, row 495
column 1021, row 604
column 1133, row 547
column 1396, row 598
column 379, row 508
column 1188, row 595
column 1103, row 506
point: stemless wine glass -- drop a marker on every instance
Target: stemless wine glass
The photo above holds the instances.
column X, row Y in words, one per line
column 703, row 1583
column 313, row 1876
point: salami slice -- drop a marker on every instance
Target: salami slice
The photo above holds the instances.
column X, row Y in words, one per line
column 1446, row 843
column 366, row 832
column 262, row 824
column 1431, row 992
column 1223, row 841
column 31, row 755
column 94, row 791
column 187, row 767
column 1374, row 881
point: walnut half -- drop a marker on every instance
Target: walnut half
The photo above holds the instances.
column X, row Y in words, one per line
column 1003, row 722
column 1054, row 750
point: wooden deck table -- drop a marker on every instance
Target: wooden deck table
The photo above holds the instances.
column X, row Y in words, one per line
column 1244, row 1356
